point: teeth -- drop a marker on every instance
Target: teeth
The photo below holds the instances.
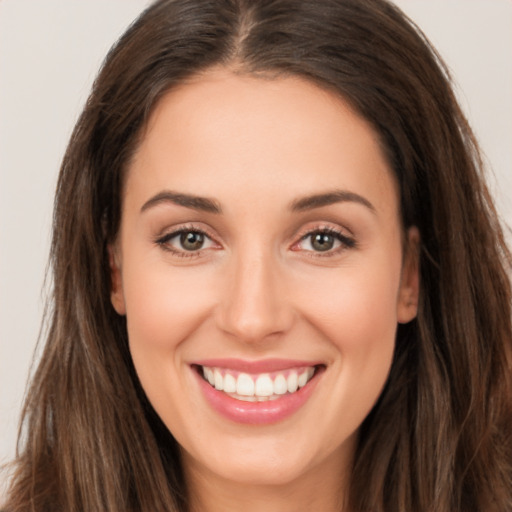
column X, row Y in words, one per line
column 244, row 385
column 303, row 378
column 280, row 385
column 293, row 383
column 218, row 380
column 208, row 373
column 247, row 398
column 229, row 383
column 264, row 386
column 252, row 388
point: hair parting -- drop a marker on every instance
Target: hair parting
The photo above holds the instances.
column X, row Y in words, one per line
column 439, row 437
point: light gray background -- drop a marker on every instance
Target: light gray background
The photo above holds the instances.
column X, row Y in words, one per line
column 49, row 53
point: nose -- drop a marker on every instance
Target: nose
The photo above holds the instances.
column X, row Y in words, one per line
column 255, row 306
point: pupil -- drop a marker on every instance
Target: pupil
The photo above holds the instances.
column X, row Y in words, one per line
column 191, row 241
column 322, row 242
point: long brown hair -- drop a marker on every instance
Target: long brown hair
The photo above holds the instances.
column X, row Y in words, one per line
column 440, row 437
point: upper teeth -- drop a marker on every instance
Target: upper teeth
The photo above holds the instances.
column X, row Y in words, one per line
column 265, row 386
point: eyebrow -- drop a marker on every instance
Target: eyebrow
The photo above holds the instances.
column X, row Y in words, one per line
column 328, row 198
column 299, row 205
column 187, row 200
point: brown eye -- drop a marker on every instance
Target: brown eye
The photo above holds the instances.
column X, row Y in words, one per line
column 322, row 241
column 191, row 240
column 186, row 242
column 326, row 241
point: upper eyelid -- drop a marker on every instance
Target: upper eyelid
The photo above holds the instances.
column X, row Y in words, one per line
column 343, row 235
column 311, row 228
column 171, row 232
column 300, row 234
column 166, row 236
column 336, row 234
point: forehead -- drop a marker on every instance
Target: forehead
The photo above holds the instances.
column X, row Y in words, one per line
column 222, row 134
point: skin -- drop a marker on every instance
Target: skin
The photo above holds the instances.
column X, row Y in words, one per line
column 258, row 289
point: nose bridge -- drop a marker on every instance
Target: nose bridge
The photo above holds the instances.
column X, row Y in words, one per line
column 254, row 305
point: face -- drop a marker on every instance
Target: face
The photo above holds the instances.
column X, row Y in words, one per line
column 260, row 265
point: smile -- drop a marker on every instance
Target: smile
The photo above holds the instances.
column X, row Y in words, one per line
column 257, row 387
column 257, row 393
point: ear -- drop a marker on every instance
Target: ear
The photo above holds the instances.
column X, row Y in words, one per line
column 116, row 280
column 408, row 295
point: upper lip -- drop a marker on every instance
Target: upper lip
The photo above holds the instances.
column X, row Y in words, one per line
column 259, row 366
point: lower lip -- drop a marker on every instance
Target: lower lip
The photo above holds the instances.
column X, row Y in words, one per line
column 256, row 413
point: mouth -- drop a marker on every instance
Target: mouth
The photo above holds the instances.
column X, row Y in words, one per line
column 257, row 393
column 257, row 387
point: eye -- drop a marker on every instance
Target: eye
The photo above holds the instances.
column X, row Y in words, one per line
column 324, row 241
column 191, row 240
column 186, row 241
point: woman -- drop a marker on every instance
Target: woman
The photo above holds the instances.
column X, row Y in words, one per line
column 279, row 280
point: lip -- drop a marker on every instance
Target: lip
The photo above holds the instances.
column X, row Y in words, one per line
column 261, row 366
column 256, row 413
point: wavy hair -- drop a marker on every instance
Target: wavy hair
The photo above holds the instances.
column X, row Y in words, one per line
column 440, row 437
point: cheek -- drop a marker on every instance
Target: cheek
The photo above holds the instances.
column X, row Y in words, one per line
column 358, row 317
column 163, row 307
column 355, row 311
column 356, row 307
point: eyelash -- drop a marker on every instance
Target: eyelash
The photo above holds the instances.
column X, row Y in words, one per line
column 345, row 241
column 163, row 241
